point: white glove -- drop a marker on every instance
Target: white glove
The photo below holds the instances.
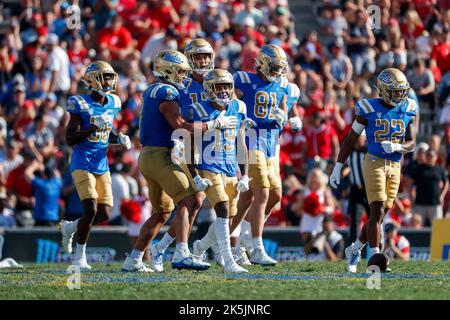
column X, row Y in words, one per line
column 243, row 184
column 222, row 122
column 100, row 121
column 335, row 177
column 280, row 117
column 249, row 123
column 125, row 140
column 296, row 123
column 202, row 184
column 177, row 152
column 390, row 147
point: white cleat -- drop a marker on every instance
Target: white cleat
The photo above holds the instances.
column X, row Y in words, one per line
column 261, row 257
column 353, row 256
column 218, row 258
column 185, row 260
column 157, row 259
column 82, row 264
column 196, row 251
column 241, row 257
column 67, row 236
column 133, row 265
column 235, row 268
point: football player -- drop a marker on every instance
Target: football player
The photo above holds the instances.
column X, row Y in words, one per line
column 167, row 182
column 89, row 131
column 218, row 161
column 200, row 56
column 265, row 93
column 389, row 125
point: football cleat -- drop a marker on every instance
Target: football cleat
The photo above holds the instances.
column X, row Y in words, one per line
column 157, row 258
column 235, row 268
column 354, row 256
column 185, row 260
column 196, row 251
column 133, row 265
column 218, row 257
column 82, row 264
column 67, row 237
column 259, row 256
column 241, row 257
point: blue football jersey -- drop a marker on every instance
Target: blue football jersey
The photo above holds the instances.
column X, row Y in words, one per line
column 154, row 129
column 293, row 96
column 218, row 147
column 90, row 154
column 192, row 93
column 261, row 98
column 385, row 124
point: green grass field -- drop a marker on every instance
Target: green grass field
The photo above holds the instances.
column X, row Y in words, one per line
column 294, row 280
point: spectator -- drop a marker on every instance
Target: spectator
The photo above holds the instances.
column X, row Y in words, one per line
column 20, row 191
column 117, row 39
column 444, row 119
column 46, row 191
column 422, row 81
column 338, row 70
column 248, row 13
column 73, row 206
column 163, row 12
column 211, row 20
column 40, row 139
column 249, row 33
column 59, row 65
column 104, row 10
column 54, row 112
column 121, row 191
column 13, row 159
column 308, row 68
column 317, row 201
column 396, row 246
column 431, row 185
column 38, row 79
column 6, row 215
column 326, row 245
column 322, row 144
column 440, row 54
column 158, row 42
column 230, row 50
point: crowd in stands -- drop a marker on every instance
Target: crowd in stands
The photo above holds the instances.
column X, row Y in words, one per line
column 46, row 45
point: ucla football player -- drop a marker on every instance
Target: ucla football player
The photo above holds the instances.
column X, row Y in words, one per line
column 218, row 161
column 200, row 56
column 167, row 182
column 264, row 93
column 89, row 132
column 389, row 125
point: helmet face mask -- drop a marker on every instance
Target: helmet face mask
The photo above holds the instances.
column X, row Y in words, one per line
column 219, row 86
column 172, row 66
column 272, row 62
column 392, row 86
column 200, row 56
column 100, row 77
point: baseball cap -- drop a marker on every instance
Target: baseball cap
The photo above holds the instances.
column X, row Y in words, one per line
column 389, row 227
column 212, row 4
column 280, row 11
column 52, row 38
column 248, row 22
column 310, row 47
column 20, row 87
column 216, row 36
column 51, row 96
column 422, row 146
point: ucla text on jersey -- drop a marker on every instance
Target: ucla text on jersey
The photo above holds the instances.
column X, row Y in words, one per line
column 385, row 124
column 90, row 154
column 261, row 98
column 218, row 147
column 154, row 129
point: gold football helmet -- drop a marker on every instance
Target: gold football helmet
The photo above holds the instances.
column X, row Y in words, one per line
column 272, row 62
column 100, row 77
column 223, row 94
column 197, row 46
column 172, row 66
column 392, row 86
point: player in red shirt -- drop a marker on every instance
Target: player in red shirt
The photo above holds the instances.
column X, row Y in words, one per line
column 440, row 55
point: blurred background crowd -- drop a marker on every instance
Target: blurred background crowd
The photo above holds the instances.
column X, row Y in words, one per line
column 46, row 45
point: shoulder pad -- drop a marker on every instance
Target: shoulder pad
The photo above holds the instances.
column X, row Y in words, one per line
column 77, row 104
column 164, row 92
column 363, row 107
column 411, row 107
column 117, row 102
column 284, row 82
column 242, row 77
column 294, row 90
column 242, row 108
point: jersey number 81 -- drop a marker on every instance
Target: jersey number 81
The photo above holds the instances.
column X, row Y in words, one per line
column 262, row 104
